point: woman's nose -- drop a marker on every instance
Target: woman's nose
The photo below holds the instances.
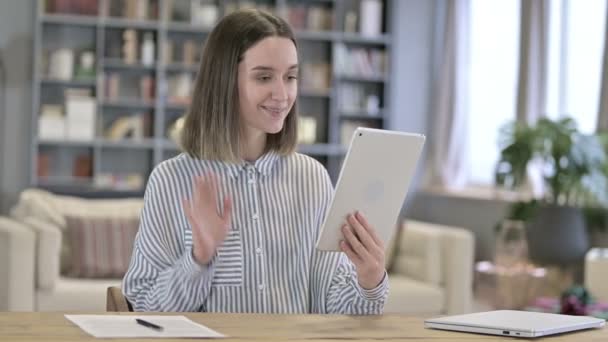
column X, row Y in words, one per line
column 279, row 91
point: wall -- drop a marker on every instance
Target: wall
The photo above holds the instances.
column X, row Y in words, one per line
column 16, row 34
column 477, row 215
column 414, row 25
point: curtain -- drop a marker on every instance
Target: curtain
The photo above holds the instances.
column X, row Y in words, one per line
column 602, row 118
column 533, row 60
column 450, row 98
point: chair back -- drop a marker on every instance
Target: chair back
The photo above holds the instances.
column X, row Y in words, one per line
column 116, row 302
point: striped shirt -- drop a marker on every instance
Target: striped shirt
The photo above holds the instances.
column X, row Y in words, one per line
column 268, row 262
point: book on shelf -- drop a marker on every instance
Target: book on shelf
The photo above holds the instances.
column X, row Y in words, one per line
column 51, row 122
column 365, row 62
column 81, row 117
column 313, row 18
column 179, row 88
column 307, row 129
column 78, row 7
column 83, row 166
column 316, row 76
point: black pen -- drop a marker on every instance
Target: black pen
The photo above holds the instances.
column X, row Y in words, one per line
column 148, row 324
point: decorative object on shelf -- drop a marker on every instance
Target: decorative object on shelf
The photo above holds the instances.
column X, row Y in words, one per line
column 129, row 46
column 83, row 166
column 146, row 88
column 307, row 130
column 175, row 131
column 86, row 67
column 168, row 52
column 203, row 13
column 61, row 65
column 350, row 22
column 574, row 174
column 51, row 123
column 318, row 19
column 112, row 86
column 135, row 9
column 119, row 182
column 180, row 88
column 373, row 105
column 81, row 117
column 131, row 127
column 371, row 18
column 189, row 52
column 147, row 49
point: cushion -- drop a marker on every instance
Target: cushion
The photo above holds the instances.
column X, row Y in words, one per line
column 101, row 247
column 52, row 208
column 409, row 296
column 419, row 254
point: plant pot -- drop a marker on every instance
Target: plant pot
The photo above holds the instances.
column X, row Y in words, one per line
column 557, row 235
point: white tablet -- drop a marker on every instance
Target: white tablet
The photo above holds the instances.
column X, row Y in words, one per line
column 514, row 323
column 374, row 179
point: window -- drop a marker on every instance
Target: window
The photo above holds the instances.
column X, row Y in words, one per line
column 576, row 45
column 494, row 56
column 576, row 49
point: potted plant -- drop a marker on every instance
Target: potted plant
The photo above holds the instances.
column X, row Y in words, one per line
column 573, row 171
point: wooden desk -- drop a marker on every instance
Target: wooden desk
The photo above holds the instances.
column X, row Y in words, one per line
column 253, row 327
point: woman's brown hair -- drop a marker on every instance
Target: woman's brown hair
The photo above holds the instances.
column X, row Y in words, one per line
column 212, row 125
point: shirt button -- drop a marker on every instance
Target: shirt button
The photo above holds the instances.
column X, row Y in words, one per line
column 258, row 250
column 251, row 181
column 261, row 287
column 255, row 216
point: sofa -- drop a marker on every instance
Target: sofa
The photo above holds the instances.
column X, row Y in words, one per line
column 430, row 266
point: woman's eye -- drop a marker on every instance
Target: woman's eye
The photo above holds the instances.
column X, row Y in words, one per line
column 292, row 77
column 264, row 78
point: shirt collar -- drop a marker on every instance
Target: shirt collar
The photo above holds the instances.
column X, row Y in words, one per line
column 262, row 165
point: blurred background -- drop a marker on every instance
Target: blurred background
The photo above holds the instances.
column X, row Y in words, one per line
column 511, row 94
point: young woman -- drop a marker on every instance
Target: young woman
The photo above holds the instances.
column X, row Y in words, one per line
column 231, row 224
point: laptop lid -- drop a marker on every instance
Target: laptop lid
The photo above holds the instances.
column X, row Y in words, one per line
column 515, row 323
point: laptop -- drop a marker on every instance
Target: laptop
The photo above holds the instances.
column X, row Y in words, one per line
column 514, row 323
column 374, row 179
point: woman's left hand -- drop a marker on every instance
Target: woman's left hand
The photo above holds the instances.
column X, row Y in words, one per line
column 365, row 249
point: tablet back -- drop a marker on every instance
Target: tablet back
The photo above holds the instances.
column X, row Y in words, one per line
column 374, row 179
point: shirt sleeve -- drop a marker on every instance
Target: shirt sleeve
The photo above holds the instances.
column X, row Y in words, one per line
column 163, row 274
column 335, row 288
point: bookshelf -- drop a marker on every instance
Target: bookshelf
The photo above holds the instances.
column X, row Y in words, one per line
column 133, row 97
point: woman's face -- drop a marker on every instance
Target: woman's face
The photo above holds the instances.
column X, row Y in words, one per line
column 267, row 81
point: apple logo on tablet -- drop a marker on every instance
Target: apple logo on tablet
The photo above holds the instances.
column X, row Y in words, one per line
column 374, row 191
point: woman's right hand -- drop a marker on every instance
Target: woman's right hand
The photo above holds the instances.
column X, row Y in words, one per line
column 209, row 227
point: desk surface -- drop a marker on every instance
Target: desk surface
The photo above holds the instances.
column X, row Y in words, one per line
column 35, row 326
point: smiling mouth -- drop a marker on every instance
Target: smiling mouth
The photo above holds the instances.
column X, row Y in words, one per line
column 275, row 111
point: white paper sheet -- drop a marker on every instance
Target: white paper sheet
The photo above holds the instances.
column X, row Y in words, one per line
column 123, row 326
